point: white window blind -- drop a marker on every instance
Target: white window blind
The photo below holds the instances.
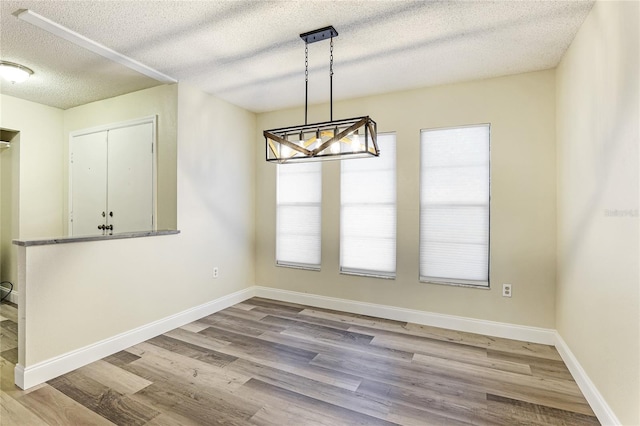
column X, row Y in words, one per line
column 368, row 212
column 299, row 215
column 454, row 205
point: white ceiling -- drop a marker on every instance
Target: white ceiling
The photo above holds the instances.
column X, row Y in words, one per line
column 249, row 52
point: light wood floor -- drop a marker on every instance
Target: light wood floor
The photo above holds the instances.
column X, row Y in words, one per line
column 263, row 362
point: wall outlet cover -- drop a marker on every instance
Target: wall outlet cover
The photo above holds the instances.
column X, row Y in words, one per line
column 506, row 290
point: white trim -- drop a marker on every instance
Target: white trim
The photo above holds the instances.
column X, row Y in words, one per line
column 85, row 42
column 117, row 125
column 544, row 336
column 41, row 372
column 18, row 374
column 13, row 297
column 603, row 412
column 31, row 376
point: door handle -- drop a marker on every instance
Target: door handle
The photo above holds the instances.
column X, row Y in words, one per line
column 103, row 227
column 110, row 227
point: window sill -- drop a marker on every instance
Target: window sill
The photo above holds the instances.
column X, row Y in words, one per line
column 368, row 274
column 299, row 266
column 456, row 284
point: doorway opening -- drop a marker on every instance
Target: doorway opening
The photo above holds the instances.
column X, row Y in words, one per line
column 9, row 230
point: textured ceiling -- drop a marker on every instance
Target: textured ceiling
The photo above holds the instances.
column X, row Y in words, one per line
column 249, row 52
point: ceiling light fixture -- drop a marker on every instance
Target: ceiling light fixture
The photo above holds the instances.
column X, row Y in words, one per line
column 14, row 73
column 330, row 140
column 82, row 41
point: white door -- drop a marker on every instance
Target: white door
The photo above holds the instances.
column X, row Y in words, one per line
column 130, row 178
column 88, row 183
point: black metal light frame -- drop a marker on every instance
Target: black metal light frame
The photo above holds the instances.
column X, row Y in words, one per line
column 347, row 138
column 348, row 133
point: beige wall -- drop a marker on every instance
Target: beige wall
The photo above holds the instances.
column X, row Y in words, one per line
column 161, row 101
column 9, row 215
column 43, row 164
column 216, row 186
column 41, row 152
column 521, row 110
column 36, row 182
column 598, row 306
column 142, row 280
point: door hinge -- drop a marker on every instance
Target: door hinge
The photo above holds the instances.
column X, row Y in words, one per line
column 152, row 148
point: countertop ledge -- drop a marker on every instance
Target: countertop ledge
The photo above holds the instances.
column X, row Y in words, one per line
column 64, row 240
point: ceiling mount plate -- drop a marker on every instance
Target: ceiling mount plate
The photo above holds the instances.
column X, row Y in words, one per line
column 319, row 34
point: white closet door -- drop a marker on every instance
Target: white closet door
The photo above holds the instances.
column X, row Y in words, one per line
column 88, row 183
column 130, row 178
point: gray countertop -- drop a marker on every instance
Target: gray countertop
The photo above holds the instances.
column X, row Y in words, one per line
column 77, row 239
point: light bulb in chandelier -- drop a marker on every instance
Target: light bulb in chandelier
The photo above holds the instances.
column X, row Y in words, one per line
column 335, row 148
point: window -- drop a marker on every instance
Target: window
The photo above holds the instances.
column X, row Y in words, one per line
column 454, row 205
column 298, row 215
column 368, row 212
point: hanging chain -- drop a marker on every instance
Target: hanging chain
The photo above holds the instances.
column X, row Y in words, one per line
column 306, row 61
column 306, row 80
column 331, row 81
column 331, row 58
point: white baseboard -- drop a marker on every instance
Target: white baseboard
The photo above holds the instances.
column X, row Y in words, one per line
column 33, row 375
column 41, row 372
column 13, row 296
column 603, row 412
column 54, row 367
column 544, row 336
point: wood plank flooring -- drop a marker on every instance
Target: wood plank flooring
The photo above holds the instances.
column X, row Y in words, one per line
column 263, row 362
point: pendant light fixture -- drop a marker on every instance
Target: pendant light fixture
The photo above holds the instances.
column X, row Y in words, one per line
column 329, row 140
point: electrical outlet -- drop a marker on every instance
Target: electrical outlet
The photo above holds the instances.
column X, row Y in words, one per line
column 215, row 272
column 506, row 290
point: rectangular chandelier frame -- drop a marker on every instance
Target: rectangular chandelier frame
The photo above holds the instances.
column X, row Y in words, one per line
column 330, row 140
